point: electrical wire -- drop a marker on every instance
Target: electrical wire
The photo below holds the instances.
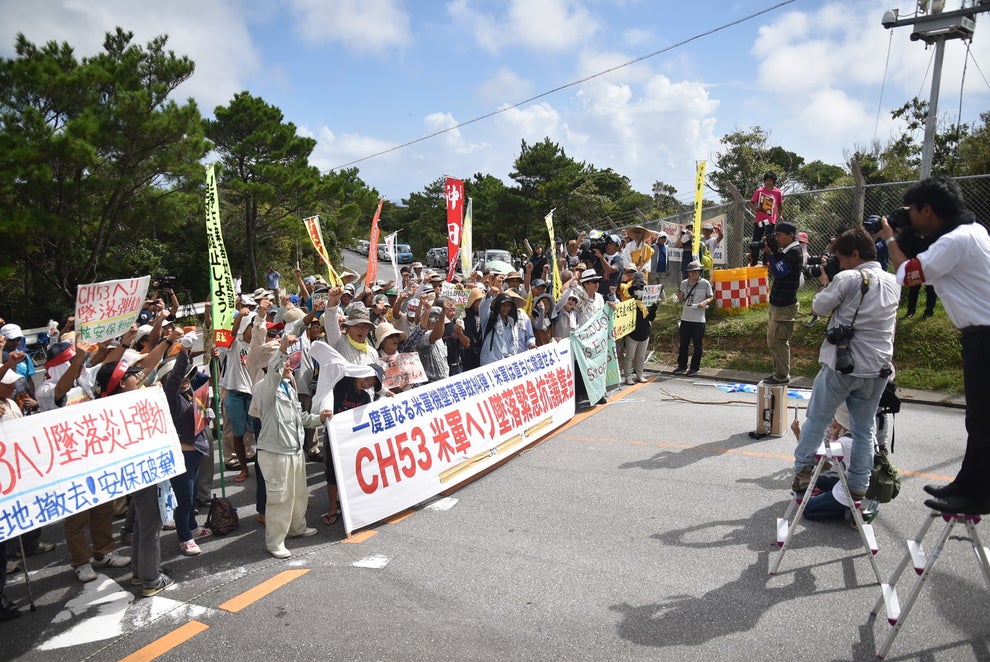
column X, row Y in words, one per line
column 566, row 85
column 883, row 84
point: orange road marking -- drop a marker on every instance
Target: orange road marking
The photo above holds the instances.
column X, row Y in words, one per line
column 251, row 596
column 358, row 537
column 398, row 517
column 168, row 642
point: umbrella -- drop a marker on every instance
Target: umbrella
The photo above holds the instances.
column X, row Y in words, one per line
column 498, row 266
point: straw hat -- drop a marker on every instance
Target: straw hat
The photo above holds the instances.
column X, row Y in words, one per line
column 384, row 330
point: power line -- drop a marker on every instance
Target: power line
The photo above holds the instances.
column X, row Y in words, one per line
column 565, row 86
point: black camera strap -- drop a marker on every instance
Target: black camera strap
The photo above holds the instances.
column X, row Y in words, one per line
column 863, row 289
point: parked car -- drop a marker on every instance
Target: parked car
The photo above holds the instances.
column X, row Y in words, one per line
column 362, row 246
column 436, row 258
column 382, row 252
column 403, row 254
column 481, row 258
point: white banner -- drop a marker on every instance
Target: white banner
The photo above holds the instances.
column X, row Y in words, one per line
column 397, row 452
column 106, row 310
column 68, row 460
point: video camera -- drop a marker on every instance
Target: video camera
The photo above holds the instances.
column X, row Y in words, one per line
column 768, row 241
column 166, row 282
column 817, row 264
column 586, row 251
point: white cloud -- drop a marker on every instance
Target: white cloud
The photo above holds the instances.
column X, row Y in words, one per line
column 218, row 41
column 506, row 86
column 362, row 25
column 537, row 25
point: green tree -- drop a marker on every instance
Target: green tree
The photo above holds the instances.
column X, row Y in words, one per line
column 546, row 178
column 817, row 175
column 97, row 165
column 746, row 156
column 266, row 178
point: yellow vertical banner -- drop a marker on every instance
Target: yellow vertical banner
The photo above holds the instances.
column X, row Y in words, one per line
column 557, row 285
column 699, row 191
column 222, row 304
column 316, row 236
column 466, row 240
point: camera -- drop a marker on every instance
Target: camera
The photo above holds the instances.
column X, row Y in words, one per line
column 586, row 251
column 817, row 264
column 899, row 219
column 166, row 282
column 840, row 335
column 769, row 241
column 872, row 224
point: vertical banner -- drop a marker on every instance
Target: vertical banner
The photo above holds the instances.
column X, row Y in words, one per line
column 557, row 285
column 106, row 310
column 316, row 236
column 372, row 271
column 454, row 193
column 390, row 249
column 590, row 345
column 221, row 281
column 699, row 190
column 466, row 239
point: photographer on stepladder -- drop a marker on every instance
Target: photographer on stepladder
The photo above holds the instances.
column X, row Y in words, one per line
column 855, row 357
column 943, row 246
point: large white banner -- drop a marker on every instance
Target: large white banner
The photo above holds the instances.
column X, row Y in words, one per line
column 397, row 452
column 68, row 460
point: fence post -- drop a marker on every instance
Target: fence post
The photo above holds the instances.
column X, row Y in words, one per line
column 737, row 228
column 859, row 192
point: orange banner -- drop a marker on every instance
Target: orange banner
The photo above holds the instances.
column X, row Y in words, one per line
column 373, row 247
column 316, row 236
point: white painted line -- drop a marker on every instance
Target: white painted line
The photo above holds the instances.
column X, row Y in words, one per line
column 376, row 562
column 98, row 611
column 445, row 503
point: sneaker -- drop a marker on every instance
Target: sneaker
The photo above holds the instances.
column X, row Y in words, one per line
column 189, row 548
column 280, row 553
column 85, row 573
column 306, row 533
column 168, row 526
column 201, row 532
column 8, row 611
column 164, row 581
column 13, row 567
column 691, row 373
column 643, row 380
column 630, row 380
column 679, row 371
column 112, row 560
column 135, row 580
column 774, row 380
column 801, row 480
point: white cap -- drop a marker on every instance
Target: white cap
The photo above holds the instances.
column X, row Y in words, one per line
column 11, row 331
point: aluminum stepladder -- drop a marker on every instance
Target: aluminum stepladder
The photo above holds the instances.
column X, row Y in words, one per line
column 923, row 563
column 829, row 451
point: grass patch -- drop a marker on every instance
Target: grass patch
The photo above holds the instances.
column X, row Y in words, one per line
column 927, row 352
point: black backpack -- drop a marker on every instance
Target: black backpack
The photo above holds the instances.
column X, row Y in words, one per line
column 222, row 518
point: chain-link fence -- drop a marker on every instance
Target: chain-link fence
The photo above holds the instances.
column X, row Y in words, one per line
column 821, row 214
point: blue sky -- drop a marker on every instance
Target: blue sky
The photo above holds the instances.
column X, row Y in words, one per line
column 363, row 76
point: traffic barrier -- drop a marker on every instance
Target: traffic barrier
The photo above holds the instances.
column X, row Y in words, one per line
column 731, row 289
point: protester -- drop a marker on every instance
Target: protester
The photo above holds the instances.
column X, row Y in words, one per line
column 505, row 331
column 767, row 203
column 638, row 340
column 471, row 355
column 695, row 293
column 280, row 452
column 178, row 386
column 638, row 252
column 236, row 380
column 957, row 265
column 565, row 315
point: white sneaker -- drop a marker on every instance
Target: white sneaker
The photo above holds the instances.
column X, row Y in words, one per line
column 630, row 380
column 85, row 573
column 307, row 532
column 643, row 380
column 189, row 548
column 201, row 532
column 112, row 560
column 280, row 553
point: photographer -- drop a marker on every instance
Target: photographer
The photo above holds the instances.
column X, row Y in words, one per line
column 955, row 259
column 855, row 357
column 785, row 263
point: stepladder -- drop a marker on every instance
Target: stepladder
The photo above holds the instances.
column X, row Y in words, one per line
column 829, row 456
column 923, row 561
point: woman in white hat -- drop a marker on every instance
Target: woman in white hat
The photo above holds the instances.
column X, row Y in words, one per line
column 696, row 294
column 590, row 301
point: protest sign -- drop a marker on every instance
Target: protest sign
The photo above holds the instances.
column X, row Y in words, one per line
column 396, row 452
column 67, row 460
column 107, row 309
column 624, row 319
column 403, row 369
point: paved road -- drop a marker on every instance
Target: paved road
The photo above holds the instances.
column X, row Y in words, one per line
column 642, row 531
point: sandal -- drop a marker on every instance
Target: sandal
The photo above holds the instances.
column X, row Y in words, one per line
column 329, row 519
column 42, row 548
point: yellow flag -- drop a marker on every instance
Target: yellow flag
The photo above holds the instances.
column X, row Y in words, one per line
column 557, row 285
column 699, row 190
column 221, row 280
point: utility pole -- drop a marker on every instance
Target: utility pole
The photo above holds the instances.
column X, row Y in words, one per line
column 932, row 25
